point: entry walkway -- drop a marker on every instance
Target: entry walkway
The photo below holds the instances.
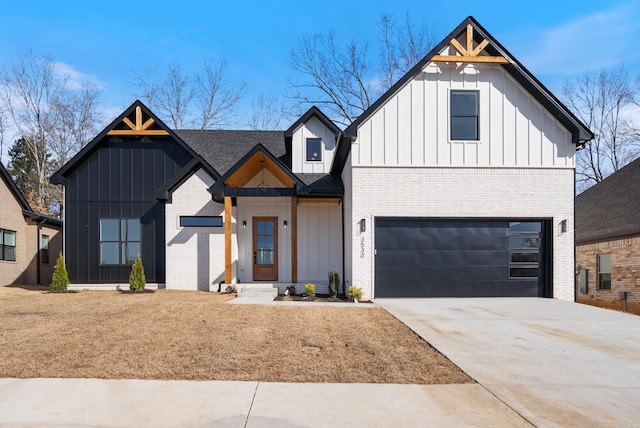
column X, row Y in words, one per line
column 555, row 363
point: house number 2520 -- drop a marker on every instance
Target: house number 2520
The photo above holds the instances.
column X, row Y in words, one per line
column 362, row 247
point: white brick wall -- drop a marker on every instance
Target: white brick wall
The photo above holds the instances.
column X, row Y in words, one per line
column 460, row 193
column 195, row 255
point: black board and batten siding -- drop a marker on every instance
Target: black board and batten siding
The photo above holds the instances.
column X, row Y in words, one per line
column 119, row 180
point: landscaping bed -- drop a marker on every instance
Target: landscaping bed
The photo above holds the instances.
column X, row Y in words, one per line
column 632, row 308
column 316, row 298
column 195, row 335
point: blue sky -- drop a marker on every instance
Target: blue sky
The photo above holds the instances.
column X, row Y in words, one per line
column 112, row 42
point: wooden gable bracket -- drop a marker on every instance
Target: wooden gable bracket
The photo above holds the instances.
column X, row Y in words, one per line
column 138, row 128
column 469, row 54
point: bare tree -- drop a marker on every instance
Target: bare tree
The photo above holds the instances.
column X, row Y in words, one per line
column 344, row 79
column 45, row 110
column 266, row 113
column 402, row 46
column 201, row 99
column 603, row 101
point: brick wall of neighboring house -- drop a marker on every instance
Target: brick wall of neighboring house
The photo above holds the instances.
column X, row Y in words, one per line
column 464, row 193
column 11, row 218
column 625, row 268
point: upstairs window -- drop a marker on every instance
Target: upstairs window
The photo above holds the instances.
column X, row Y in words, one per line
column 7, row 245
column 44, row 250
column 604, row 272
column 119, row 241
column 464, row 115
column 314, row 149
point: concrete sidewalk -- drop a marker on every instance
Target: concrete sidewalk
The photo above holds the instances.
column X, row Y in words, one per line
column 127, row 403
column 558, row 364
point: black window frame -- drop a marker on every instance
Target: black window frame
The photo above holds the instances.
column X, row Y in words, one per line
column 4, row 247
column 307, row 151
column 216, row 221
column 454, row 132
column 123, row 242
column 602, row 282
column 44, row 249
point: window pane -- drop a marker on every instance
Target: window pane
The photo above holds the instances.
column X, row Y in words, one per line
column 464, row 128
column 109, row 229
column 314, row 149
column 261, row 227
column 605, row 281
column 525, row 257
column 604, row 263
column 10, row 254
column 524, row 243
column 109, row 253
column 10, row 239
column 268, row 257
column 525, row 226
column 524, row 272
column 464, row 103
column 200, row 221
column 45, row 242
column 261, row 242
column 130, row 251
column 133, row 229
column 269, row 228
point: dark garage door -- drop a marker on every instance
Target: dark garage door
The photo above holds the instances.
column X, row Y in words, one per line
column 418, row 257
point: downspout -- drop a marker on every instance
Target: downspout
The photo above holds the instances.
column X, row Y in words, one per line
column 344, row 291
column 38, row 257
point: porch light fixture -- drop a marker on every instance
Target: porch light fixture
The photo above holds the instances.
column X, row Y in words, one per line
column 244, row 223
column 285, row 223
column 563, row 226
column 363, row 225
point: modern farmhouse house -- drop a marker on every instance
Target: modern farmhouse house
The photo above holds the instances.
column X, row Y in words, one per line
column 458, row 181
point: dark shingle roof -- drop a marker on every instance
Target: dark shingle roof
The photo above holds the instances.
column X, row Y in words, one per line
column 611, row 208
column 223, row 149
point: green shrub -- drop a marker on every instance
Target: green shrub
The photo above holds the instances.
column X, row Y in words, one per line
column 60, row 278
column 355, row 293
column 334, row 283
column 310, row 290
column 137, row 280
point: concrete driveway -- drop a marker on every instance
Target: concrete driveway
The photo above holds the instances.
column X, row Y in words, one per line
column 553, row 362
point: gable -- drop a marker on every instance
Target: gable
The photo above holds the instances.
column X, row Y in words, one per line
column 484, row 50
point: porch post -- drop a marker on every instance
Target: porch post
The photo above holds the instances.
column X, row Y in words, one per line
column 294, row 239
column 227, row 240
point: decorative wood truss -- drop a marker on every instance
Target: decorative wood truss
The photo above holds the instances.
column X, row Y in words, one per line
column 469, row 54
column 139, row 127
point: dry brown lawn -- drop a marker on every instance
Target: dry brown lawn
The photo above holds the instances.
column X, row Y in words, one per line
column 195, row 335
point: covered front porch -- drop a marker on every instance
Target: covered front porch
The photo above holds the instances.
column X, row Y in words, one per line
column 279, row 228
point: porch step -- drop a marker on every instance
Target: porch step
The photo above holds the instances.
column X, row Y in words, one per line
column 257, row 290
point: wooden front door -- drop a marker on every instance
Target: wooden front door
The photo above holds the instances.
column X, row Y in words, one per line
column 265, row 248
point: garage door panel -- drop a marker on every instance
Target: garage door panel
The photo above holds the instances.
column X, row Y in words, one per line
column 446, row 257
column 420, row 257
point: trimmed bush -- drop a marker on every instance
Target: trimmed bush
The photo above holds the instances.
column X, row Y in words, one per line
column 310, row 290
column 60, row 278
column 355, row 293
column 334, row 283
column 137, row 280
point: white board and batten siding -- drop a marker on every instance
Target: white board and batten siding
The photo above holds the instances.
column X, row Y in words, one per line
column 313, row 128
column 412, row 127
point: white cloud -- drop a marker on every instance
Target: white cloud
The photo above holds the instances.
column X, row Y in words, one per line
column 591, row 42
column 76, row 79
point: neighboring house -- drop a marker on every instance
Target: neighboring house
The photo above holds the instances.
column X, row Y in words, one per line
column 608, row 237
column 29, row 242
column 458, row 181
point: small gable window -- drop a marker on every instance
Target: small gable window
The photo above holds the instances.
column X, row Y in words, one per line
column 314, row 149
column 464, row 115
